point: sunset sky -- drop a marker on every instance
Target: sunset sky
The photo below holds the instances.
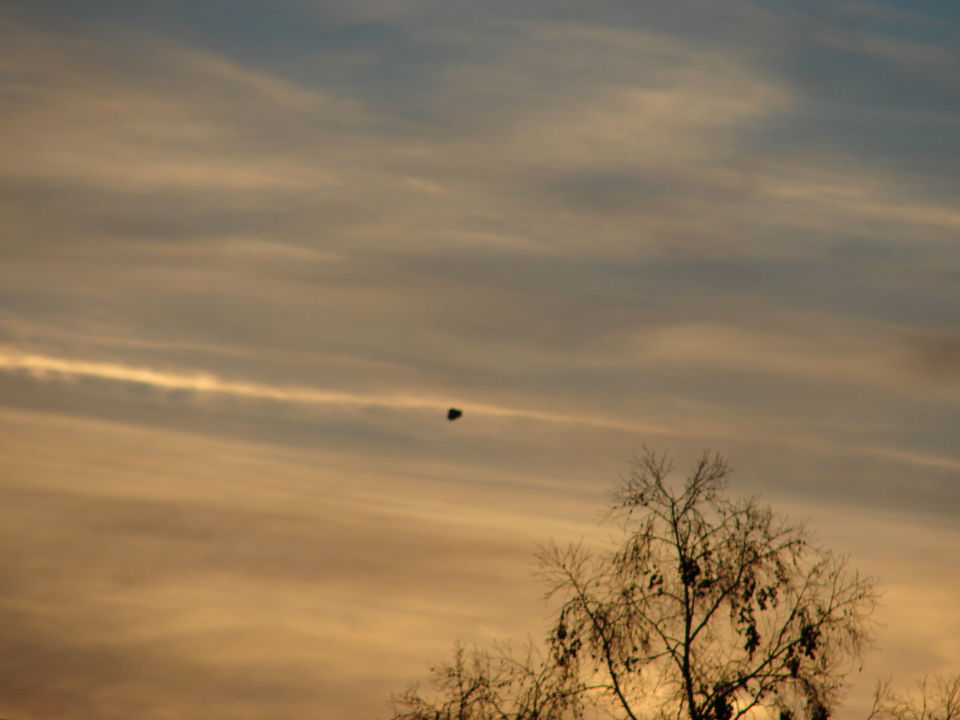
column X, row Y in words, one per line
column 251, row 252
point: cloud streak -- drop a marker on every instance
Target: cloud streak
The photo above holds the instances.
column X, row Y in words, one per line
column 45, row 367
column 42, row 366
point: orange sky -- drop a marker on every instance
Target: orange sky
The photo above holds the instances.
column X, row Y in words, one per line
column 249, row 258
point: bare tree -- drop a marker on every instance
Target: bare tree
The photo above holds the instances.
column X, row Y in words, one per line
column 936, row 698
column 497, row 685
column 709, row 608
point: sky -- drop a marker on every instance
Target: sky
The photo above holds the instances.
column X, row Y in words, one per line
column 251, row 252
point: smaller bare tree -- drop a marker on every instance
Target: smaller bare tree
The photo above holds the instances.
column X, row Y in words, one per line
column 936, row 698
column 497, row 685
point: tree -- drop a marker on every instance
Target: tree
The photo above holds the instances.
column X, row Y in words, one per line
column 483, row 685
column 709, row 609
column 935, row 699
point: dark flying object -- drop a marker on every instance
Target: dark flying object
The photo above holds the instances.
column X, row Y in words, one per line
column 453, row 413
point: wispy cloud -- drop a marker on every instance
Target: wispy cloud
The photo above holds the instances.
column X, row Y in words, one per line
column 230, row 237
column 44, row 366
column 733, row 430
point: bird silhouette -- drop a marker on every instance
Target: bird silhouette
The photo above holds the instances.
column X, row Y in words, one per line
column 453, row 414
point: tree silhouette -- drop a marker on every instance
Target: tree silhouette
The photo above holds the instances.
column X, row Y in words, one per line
column 936, row 698
column 482, row 685
column 709, row 609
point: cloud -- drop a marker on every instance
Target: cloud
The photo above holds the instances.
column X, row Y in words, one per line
column 546, row 240
column 82, row 113
column 249, row 262
column 347, row 415
column 937, row 356
column 243, row 576
column 160, row 564
column 40, row 366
